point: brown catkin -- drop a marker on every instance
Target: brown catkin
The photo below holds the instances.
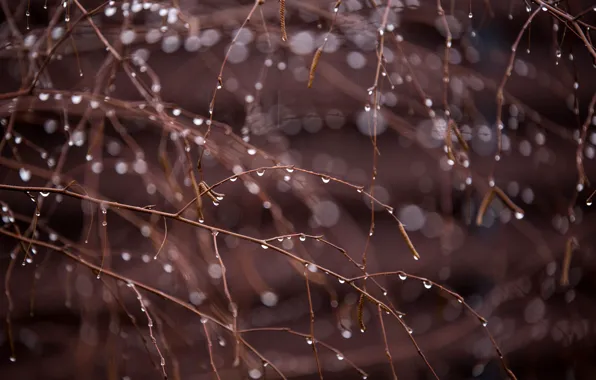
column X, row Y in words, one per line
column 313, row 66
column 569, row 247
column 361, row 312
column 459, row 136
column 484, row 205
column 282, row 19
column 404, row 234
column 515, row 208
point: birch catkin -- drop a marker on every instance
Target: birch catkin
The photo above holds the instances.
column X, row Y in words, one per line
column 282, row 19
column 313, row 66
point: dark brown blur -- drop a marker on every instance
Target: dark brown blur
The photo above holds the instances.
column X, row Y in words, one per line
column 460, row 119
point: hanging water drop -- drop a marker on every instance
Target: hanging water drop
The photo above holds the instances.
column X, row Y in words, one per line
column 302, row 237
column 325, row 179
column 340, row 356
column 308, row 341
column 402, row 276
column 260, row 172
column 427, row 284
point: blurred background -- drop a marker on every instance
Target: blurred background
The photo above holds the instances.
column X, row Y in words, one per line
column 120, row 100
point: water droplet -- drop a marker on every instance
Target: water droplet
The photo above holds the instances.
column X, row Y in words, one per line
column 44, row 194
column 308, row 341
column 302, row 237
column 519, row 215
column 25, row 174
column 260, row 172
column 341, row 281
column 233, row 179
column 340, row 356
column 402, row 276
column 367, row 107
column 427, row 284
column 325, row 179
column 251, row 151
column 264, row 246
column 410, row 330
column 104, row 223
column 13, row 358
column 589, row 202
